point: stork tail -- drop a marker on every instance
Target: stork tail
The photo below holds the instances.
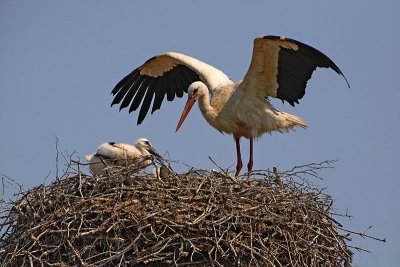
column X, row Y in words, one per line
column 288, row 122
column 296, row 121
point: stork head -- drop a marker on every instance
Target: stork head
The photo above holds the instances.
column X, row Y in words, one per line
column 195, row 91
column 144, row 145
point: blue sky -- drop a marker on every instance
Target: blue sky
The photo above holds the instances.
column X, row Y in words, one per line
column 59, row 61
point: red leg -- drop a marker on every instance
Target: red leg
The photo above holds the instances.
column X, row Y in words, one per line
column 239, row 156
column 250, row 164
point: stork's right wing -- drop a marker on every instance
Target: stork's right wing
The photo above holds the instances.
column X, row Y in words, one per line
column 168, row 74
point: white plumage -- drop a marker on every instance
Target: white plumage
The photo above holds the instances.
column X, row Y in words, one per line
column 280, row 68
column 119, row 154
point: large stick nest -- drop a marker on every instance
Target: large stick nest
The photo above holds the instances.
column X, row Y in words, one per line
column 197, row 218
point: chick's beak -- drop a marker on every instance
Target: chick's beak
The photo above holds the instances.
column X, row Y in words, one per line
column 189, row 104
column 154, row 152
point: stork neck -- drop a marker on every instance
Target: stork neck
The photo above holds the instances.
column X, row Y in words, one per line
column 208, row 111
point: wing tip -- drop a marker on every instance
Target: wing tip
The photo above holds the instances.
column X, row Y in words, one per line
column 344, row 77
column 333, row 66
column 154, row 109
column 131, row 109
column 114, row 102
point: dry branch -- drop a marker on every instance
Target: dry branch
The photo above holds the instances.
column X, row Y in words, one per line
column 198, row 218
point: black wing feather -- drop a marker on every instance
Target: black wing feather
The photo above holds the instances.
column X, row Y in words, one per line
column 132, row 89
column 139, row 95
column 168, row 87
column 295, row 68
column 174, row 86
column 297, row 78
column 159, row 94
column 137, row 88
column 146, row 102
column 124, row 81
column 189, row 77
column 121, row 89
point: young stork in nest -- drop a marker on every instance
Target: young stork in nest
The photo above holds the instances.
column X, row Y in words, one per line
column 119, row 154
column 280, row 68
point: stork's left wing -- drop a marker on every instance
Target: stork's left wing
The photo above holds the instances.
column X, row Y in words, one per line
column 280, row 67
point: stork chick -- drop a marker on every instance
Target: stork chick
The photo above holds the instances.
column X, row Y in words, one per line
column 163, row 171
column 119, row 154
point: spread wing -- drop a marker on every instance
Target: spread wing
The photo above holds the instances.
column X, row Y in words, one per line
column 280, row 67
column 168, row 74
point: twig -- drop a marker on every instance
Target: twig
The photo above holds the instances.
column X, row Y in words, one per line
column 364, row 235
column 197, row 218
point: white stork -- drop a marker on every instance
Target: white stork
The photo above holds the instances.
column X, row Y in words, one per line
column 119, row 154
column 280, row 67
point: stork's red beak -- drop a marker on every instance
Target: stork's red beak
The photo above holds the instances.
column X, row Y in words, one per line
column 189, row 104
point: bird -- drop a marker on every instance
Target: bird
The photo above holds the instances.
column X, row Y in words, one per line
column 163, row 171
column 280, row 68
column 120, row 154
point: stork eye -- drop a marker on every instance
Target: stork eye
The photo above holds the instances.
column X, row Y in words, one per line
column 195, row 91
column 147, row 143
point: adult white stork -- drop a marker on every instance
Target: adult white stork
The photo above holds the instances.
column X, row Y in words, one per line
column 119, row 154
column 280, row 67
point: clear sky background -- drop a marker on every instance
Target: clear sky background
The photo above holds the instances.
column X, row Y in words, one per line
column 59, row 61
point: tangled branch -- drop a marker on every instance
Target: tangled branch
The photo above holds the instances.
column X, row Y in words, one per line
column 197, row 218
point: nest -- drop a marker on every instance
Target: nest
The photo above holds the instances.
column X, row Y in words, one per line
column 197, row 218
